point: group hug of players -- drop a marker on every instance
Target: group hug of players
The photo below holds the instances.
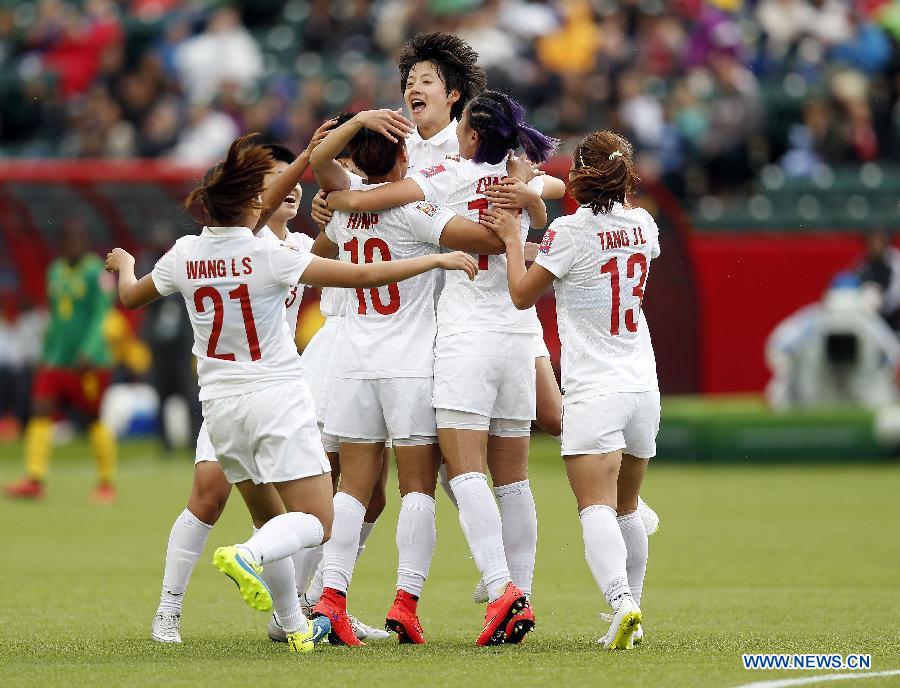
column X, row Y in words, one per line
column 431, row 349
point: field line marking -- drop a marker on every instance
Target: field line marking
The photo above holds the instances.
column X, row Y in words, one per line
column 784, row 683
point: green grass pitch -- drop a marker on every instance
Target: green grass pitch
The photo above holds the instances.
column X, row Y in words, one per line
column 748, row 559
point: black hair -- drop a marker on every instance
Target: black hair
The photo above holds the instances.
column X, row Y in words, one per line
column 501, row 126
column 454, row 60
column 280, row 153
column 373, row 153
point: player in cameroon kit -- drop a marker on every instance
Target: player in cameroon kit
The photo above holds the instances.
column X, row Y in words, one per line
column 598, row 260
column 74, row 368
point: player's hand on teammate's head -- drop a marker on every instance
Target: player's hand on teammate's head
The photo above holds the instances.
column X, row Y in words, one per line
column 510, row 194
column 320, row 212
column 320, row 134
column 117, row 259
column 501, row 223
column 390, row 123
column 458, row 260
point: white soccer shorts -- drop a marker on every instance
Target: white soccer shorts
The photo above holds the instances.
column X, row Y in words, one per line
column 204, row 450
column 628, row 421
column 382, row 409
column 267, row 436
column 317, row 362
column 540, row 347
column 489, row 373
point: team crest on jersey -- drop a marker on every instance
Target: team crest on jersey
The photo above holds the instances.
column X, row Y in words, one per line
column 547, row 241
column 430, row 209
column 429, row 172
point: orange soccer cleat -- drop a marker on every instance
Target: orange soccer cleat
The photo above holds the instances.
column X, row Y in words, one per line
column 499, row 613
column 520, row 624
column 25, row 488
column 403, row 620
column 333, row 604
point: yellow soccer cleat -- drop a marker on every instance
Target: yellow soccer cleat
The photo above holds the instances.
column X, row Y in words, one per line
column 625, row 621
column 305, row 641
column 245, row 575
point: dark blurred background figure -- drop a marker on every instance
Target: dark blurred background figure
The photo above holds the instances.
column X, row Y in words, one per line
column 167, row 331
column 880, row 266
column 74, row 367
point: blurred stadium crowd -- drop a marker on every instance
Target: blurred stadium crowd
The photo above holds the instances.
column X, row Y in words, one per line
column 711, row 91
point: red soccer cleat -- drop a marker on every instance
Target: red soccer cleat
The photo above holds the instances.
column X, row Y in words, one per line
column 499, row 613
column 402, row 619
column 25, row 488
column 333, row 604
column 104, row 494
column 520, row 624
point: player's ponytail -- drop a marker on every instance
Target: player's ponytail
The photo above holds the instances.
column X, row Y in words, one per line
column 233, row 187
column 603, row 172
column 501, row 126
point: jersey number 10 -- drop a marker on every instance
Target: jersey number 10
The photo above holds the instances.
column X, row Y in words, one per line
column 393, row 305
column 611, row 268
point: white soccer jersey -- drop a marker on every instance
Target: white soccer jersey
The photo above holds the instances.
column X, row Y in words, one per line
column 601, row 264
column 333, row 300
column 482, row 305
column 389, row 331
column 426, row 152
column 295, row 293
column 234, row 287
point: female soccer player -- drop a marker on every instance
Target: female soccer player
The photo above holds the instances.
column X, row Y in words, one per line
column 598, row 259
column 259, row 413
column 211, row 489
column 384, row 366
column 484, row 379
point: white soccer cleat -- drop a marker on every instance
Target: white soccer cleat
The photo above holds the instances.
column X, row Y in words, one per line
column 637, row 638
column 276, row 633
column 480, row 596
column 365, row 632
column 648, row 516
column 167, row 628
column 624, row 623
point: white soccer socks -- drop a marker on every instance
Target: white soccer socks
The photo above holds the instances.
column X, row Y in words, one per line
column 605, row 551
column 279, row 576
column 519, row 517
column 339, row 555
column 634, row 533
column 283, row 536
column 481, row 524
column 364, row 534
column 416, row 538
column 306, row 562
column 186, row 542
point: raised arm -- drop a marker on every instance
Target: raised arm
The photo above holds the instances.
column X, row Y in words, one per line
column 554, row 188
column 390, row 195
column 525, row 286
column 133, row 292
column 329, row 173
column 322, row 272
column 286, row 181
